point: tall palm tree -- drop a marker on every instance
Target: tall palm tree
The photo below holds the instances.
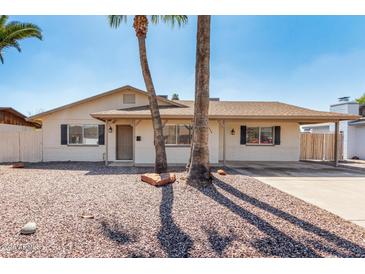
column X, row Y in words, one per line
column 199, row 170
column 11, row 33
column 140, row 25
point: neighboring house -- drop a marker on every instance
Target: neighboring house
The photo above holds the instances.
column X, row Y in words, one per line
column 13, row 121
column 116, row 126
column 353, row 131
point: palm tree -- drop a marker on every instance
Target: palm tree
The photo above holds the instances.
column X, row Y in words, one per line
column 199, row 170
column 140, row 25
column 11, row 33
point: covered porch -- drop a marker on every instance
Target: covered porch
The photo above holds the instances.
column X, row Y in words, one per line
column 129, row 142
column 232, row 137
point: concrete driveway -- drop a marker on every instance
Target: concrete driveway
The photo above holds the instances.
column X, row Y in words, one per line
column 338, row 190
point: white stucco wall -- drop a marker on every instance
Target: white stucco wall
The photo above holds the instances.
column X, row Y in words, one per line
column 145, row 152
column 79, row 114
column 357, row 144
column 288, row 150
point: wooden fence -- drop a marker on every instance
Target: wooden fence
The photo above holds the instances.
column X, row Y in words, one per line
column 319, row 146
column 25, row 146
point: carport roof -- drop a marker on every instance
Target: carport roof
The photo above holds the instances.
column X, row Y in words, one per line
column 231, row 110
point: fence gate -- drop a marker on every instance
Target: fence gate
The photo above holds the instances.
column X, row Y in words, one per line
column 320, row 146
column 25, row 146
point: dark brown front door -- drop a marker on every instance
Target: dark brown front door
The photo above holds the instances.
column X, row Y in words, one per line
column 124, row 142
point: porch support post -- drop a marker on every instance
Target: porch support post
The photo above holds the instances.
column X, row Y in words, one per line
column 224, row 142
column 106, row 142
column 337, row 134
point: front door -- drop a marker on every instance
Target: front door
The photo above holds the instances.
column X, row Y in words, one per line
column 124, row 142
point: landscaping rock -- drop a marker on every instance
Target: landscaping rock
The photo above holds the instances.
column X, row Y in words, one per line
column 221, row 172
column 28, row 228
column 18, row 165
column 158, row 179
column 237, row 216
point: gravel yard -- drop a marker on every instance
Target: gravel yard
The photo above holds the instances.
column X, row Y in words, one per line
column 237, row 217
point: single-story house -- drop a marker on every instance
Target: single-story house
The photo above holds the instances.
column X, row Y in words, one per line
column 115, row 126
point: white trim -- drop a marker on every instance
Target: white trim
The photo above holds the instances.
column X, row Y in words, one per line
column 106, row 142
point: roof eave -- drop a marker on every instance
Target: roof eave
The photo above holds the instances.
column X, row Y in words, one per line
column 85, row 100
column 306, row 119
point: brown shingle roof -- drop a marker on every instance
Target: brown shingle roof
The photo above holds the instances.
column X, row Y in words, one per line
column 231, row 109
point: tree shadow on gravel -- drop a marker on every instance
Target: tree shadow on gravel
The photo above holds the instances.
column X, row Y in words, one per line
column 285, row 246
column 217, row 241
column 353, row 249
column 330, row 250
column 116, row 233
column 173, row 240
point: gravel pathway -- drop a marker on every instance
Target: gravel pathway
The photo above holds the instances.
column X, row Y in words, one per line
column 237, row 217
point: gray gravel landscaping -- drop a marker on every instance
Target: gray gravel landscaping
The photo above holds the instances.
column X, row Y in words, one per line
column 237, row 216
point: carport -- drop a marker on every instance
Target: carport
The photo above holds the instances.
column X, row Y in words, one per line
column 335, row 189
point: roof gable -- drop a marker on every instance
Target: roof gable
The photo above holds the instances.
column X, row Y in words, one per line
column 101, row 95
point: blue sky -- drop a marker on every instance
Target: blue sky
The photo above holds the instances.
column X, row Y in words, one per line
column 303, row 60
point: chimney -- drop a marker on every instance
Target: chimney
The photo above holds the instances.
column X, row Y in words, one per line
column 344, row 99
column 213, row 99
column 345, row 105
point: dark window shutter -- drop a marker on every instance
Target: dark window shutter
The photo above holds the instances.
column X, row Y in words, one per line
column 243, row 135
column 277, row 130
column 63, row 134
column 101, row 134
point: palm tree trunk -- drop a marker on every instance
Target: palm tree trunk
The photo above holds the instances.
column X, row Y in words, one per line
column 159, row 142
column 191, row 151
column 199, row 172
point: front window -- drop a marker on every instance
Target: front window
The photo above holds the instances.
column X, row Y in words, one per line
column 83, row 134
column 253, row 134
column 260, row 135
column 177, row 134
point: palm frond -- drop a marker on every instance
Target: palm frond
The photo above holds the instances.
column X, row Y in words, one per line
column 16, row 45
column 13, row 32
column 116, row 20
column 170, row 19
column 3, row 19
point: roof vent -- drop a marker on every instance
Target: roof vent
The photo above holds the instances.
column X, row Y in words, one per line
column 163, row 96
column 344, row 99
column 213, row 99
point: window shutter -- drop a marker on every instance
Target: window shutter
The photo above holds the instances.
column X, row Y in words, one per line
column 243, row 135
column 277, row 130
column 101, row 134
column 63, row 134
